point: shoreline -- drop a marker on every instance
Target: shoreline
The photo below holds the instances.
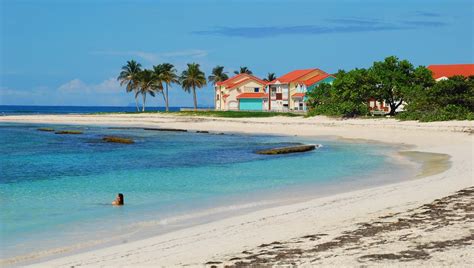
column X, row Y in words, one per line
column 176, row 248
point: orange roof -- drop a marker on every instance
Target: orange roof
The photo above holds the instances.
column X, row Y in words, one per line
column 246, row 80
column 448, row 70
column 292, row 76
column 296, row 76
column 225, row 96
column 252, row 95
column 298, row 95
column 240, row 79
column 316, row 79
column 230, row 80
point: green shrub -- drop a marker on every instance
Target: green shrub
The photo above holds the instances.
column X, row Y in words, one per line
column 450, row 112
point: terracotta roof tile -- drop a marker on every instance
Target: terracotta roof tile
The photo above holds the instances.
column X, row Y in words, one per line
column 239, row 79
column 298, row 95
column 449, row 70
column 313, row 80
column 252, row 95
column 292, row 76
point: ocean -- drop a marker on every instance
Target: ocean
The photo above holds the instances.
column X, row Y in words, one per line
column 56, row 190
column 32, row 109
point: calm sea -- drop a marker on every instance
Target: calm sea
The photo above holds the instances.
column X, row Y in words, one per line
column 55, row 190
column 19, row 109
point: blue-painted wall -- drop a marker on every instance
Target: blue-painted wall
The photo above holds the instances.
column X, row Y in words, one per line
column 251, row 104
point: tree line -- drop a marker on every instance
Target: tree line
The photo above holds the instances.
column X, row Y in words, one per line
column 396, row 82
column 158, row 80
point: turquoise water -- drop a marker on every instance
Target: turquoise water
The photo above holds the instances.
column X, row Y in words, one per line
column 55, row 190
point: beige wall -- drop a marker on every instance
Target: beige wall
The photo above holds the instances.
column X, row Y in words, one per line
column 234, row 92
column 292, row 86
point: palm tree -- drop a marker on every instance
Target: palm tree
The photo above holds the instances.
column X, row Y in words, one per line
column 168, row 76
column 270, row 77
column 129, row 76
column 192, row 78
column 157, row 73
column 218, row 75
column 243, row 70
column 148, row 84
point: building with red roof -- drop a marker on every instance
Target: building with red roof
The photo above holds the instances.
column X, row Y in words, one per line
column 445, row 71
column 287, row 92
column 240, row 92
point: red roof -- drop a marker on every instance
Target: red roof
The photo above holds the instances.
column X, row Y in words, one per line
column 316, row 79
column 252, row 95
column 240, row 79
column 293, row 76
column 298, row 95
column 297, row 76
column 230, row 80
column 449, row 70
column 225, row 96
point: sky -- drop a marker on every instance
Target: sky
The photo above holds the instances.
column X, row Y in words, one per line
column 70, row 52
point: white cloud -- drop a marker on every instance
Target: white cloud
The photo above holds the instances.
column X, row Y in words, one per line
column 110, row 85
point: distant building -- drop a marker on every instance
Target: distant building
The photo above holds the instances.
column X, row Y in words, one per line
column 287, row 93
column 445, row 71
column 240, row 92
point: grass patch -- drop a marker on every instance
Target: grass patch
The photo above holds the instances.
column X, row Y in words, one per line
column 228, row 114
column 236, row 114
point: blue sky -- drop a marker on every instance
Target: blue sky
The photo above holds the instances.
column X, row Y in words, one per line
column 70, row 52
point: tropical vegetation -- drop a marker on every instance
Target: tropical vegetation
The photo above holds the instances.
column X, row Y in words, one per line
column 129, row 77
column 218, row 75
column 270, row 77
column 395, row 82
column 191, row 79
column 243, row 70
column 158, row 80
column 168, row 75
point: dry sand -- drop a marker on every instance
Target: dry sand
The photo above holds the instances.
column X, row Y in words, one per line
column 426, row 221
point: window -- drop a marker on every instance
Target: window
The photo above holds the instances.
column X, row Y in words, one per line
column 256, row 90
column 279, row 96
column 217, row 97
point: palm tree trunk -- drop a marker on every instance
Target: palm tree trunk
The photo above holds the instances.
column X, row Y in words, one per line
column 166, row 100
column 164, row 97
column 136, row 102
column 144, row 100
column 195, row 99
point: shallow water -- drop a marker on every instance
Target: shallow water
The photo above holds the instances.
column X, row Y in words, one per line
column 55, row 190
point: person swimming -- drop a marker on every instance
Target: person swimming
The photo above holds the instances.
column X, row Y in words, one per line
column 118, row 200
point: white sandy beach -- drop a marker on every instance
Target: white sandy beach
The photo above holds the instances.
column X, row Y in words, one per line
column 218, row 242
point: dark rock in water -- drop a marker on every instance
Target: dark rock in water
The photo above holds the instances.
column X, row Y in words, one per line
column 124, row 128
column 202, row 131
column 117, row 140
column 288, row 149
column 72, row 132
column 47, row 129
column 167, row 129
